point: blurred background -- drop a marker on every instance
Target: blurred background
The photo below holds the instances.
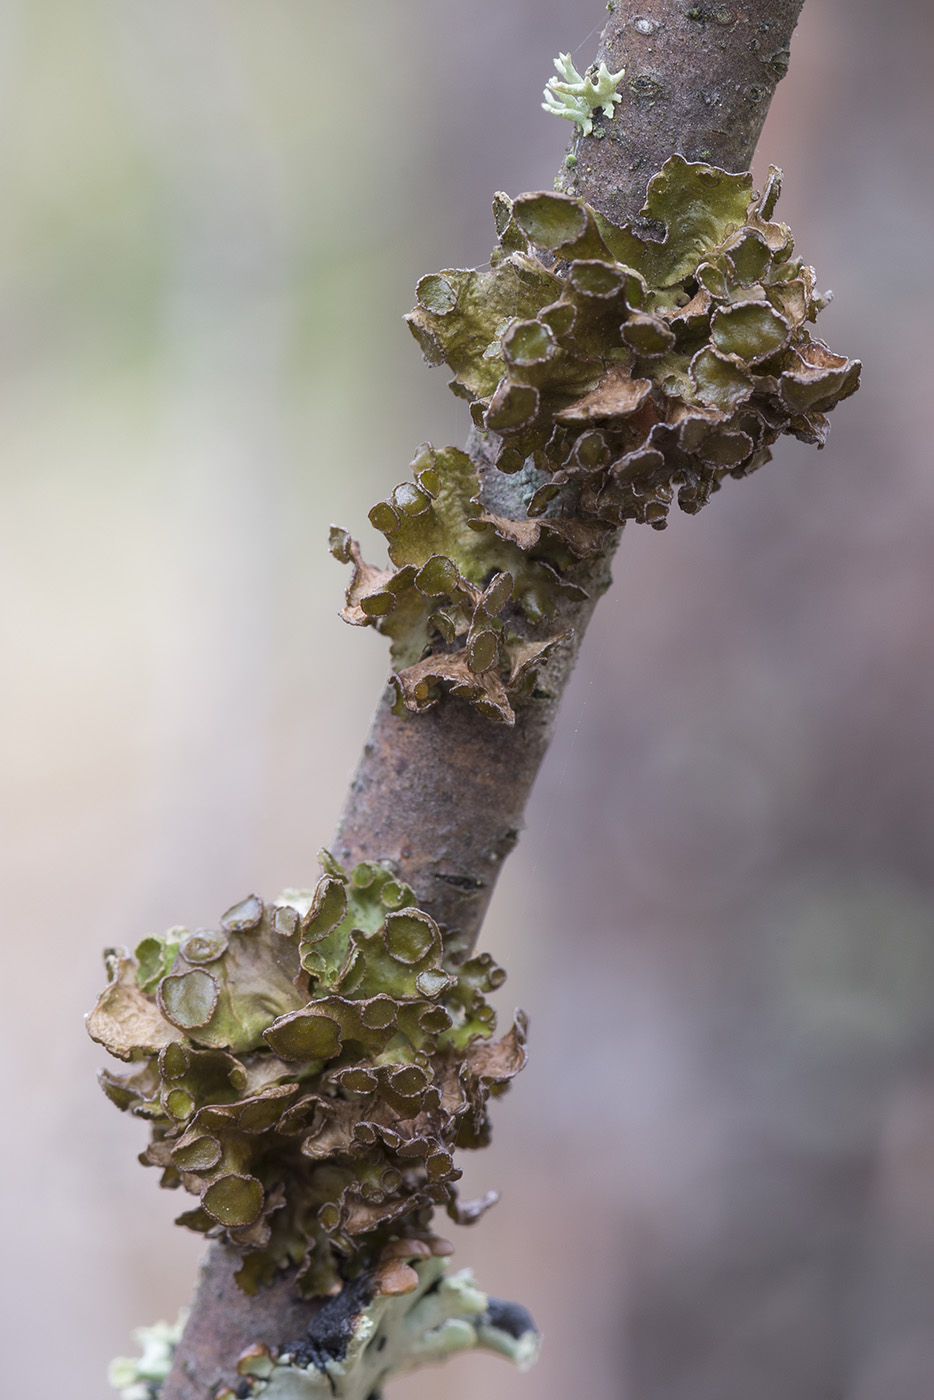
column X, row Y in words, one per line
column 718, row 1169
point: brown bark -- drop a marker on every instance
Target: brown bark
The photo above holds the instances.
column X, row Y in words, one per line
column 224, row 1321
column 699, row 80
column 442, row 794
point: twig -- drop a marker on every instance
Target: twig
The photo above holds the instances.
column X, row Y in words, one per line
column 442, row 794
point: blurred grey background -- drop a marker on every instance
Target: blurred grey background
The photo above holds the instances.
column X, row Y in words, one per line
column 718, row 1170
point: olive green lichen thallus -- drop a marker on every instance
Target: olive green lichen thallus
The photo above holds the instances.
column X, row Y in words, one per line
column 307, row 1069
column 631, row 367
column 465, row 588
column 616, row 368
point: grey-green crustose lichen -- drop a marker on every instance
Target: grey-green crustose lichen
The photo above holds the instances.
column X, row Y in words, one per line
column 617, row 368
column 307, row 1069
column 633, row 363
column 386, row 1327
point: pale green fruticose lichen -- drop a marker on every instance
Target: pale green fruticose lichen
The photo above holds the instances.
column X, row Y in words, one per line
column 576, row 96
column 140, row 1378
column 430, row 1318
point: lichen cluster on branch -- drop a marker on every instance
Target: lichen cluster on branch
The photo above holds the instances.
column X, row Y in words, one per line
column 616, row 368
column 357, row 1341
column 307, row 1070
column 308, row 1067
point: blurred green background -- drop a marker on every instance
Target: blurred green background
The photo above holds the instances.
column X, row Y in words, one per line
column 718, row 1170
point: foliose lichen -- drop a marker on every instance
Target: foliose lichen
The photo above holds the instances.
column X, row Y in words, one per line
column 616, row 368
column 463, row 584
column 413, row 1315
column 307, row 1069
column 577, row 96
column 638, row 362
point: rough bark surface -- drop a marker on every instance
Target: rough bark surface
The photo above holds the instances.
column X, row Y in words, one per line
column 224, row 1321
column 443, row 793
column 699, row 80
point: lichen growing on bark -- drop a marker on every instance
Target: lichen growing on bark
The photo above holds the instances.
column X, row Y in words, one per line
column 402, row 1317
column 307, row 1069
column 577, row 96
column 617, row 368
column 631, row 364
column 463, row 590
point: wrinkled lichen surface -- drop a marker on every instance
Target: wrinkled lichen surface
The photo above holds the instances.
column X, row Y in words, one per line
column 358, row 1341
column 616, row 368
column 307, row 1069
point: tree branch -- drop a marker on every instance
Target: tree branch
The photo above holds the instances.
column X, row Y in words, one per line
column 442, row 794
column 699, row 80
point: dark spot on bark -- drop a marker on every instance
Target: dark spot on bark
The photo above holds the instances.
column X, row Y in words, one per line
column 778, row 61
column 511, row 1318
column 755, row 93
column 646, row 85
column 332, row 1326
column 715, row 14
column 460, row 882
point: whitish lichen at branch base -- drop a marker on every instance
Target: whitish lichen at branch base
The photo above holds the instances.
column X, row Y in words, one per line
column 358, row 1341
column 140, row 1378
column 616, row 368
column 307, row 1069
